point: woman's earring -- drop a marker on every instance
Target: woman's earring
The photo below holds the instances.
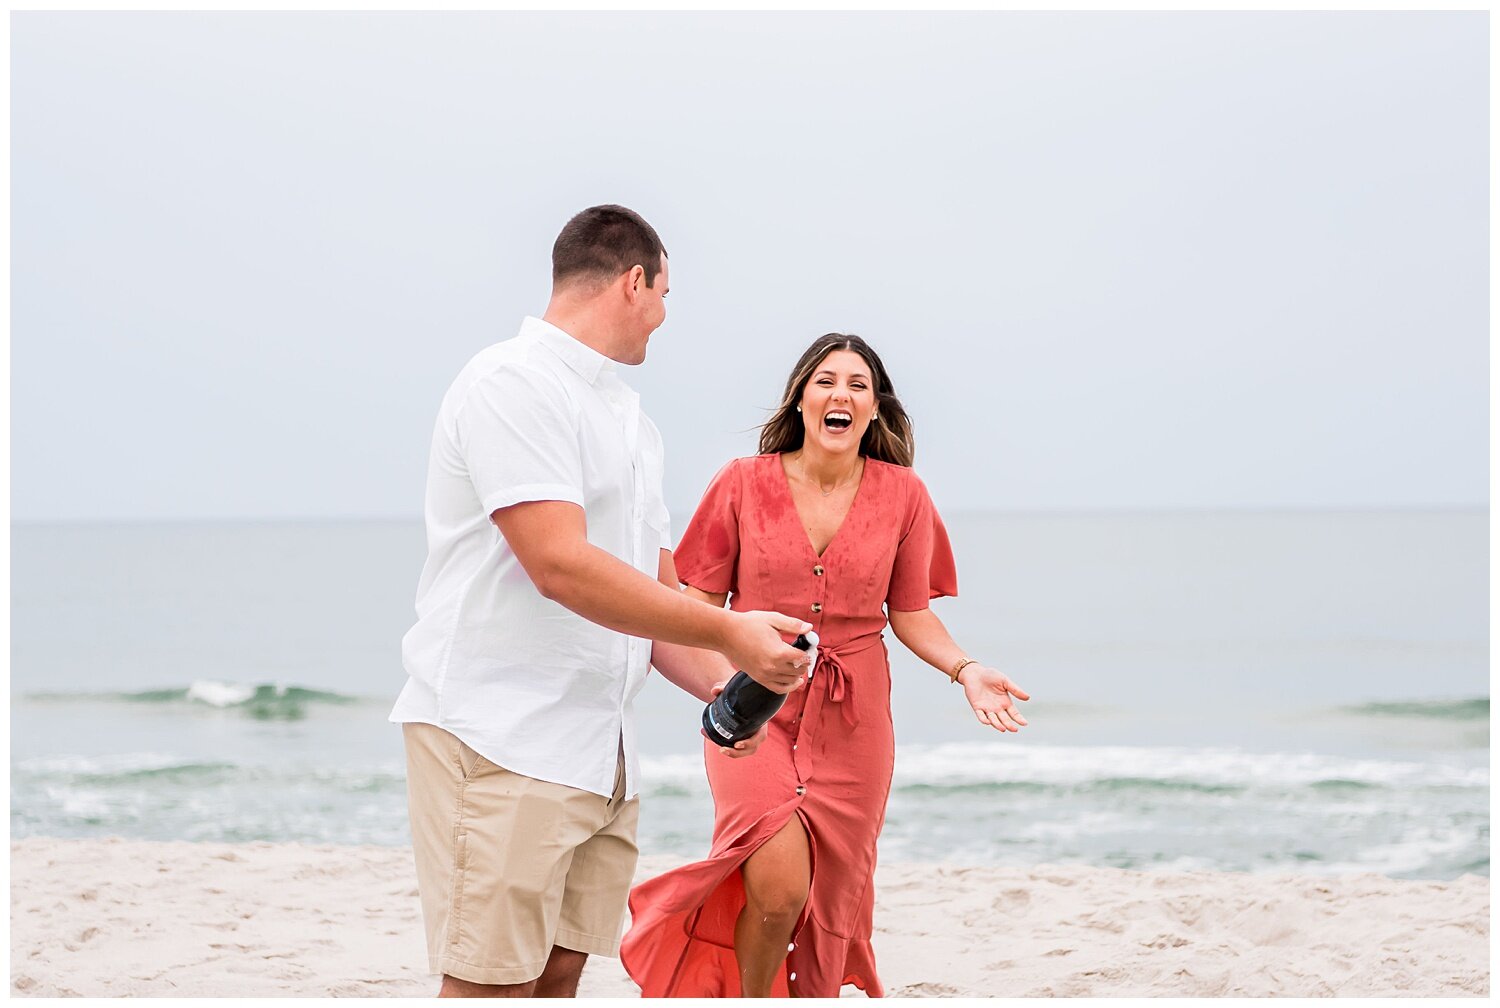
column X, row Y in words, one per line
column 799, row 409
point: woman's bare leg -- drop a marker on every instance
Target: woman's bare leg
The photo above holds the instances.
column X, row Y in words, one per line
column 777, row 879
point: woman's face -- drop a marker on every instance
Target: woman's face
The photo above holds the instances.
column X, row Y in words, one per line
column 838, row 402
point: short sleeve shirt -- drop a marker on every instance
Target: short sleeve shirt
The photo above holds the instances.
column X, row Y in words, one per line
column 522, row 680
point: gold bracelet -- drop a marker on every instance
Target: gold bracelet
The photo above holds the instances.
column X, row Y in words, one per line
column 960, row 667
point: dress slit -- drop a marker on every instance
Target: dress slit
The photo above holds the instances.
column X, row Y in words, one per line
column 711, row 919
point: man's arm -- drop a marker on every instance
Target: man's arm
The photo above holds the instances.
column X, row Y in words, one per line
column 550, row 540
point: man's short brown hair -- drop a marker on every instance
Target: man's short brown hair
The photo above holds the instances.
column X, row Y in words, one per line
column 602, row 242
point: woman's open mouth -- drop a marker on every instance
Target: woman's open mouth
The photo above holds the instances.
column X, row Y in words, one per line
column 838, row 421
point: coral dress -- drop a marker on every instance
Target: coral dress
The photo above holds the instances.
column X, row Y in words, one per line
column 830, row 749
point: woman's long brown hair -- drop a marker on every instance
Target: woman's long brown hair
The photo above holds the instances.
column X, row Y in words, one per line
column 887, row 439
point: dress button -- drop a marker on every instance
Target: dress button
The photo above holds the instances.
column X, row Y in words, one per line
column 817, row 607
column 818, row 570
column 801, row 790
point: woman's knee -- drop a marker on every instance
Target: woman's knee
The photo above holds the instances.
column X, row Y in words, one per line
column 778, row 890
column 777, row 898
column 778, row 876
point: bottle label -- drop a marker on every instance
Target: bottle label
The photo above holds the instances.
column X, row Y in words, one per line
column 725, row 720
column 718, row 727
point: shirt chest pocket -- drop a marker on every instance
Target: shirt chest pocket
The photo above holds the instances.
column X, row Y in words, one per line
column 608, row 469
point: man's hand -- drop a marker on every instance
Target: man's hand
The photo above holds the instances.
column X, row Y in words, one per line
column 741, row 749
column 754, row 645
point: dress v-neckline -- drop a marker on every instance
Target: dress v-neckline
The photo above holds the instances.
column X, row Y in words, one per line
column 786, row 482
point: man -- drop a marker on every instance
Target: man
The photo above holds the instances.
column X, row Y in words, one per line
column 548, row 568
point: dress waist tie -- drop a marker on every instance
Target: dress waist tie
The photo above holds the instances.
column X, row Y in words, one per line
column 840, row 684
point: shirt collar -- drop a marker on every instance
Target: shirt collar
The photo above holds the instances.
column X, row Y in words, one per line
column 587, row 361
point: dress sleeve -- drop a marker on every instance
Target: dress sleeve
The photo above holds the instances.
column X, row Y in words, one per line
column 710, row 548
column 924, row 568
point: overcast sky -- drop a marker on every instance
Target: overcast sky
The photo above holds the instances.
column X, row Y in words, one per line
column 1111, row 260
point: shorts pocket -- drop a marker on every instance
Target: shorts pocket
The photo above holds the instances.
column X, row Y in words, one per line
column 470, row 763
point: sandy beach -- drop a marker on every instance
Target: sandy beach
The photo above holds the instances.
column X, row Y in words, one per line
column 121, row 917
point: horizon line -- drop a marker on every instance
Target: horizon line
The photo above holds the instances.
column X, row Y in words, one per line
column 1128, row 511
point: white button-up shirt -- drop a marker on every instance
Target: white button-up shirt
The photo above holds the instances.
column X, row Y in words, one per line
column 522, row 680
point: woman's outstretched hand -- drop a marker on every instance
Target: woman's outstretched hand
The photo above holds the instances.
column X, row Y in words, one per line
column 992, row 695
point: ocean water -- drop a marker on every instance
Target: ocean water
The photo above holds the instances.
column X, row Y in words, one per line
column 1283, row 692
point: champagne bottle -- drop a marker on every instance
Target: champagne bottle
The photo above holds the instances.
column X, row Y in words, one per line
column 744, row 705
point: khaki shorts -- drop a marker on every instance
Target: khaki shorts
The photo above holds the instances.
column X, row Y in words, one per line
column 509, row 866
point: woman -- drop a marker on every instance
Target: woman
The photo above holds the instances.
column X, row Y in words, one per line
column 828, row 523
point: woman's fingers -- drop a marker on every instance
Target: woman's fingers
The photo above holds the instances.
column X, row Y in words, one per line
column 1000, row 719
column 996, row 706
column 745, row 747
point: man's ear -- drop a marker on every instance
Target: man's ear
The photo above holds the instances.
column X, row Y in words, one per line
column 635, row 279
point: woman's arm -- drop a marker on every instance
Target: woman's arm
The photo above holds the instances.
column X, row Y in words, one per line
column 693, row 670
column 990, row 693
column 698, row 671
